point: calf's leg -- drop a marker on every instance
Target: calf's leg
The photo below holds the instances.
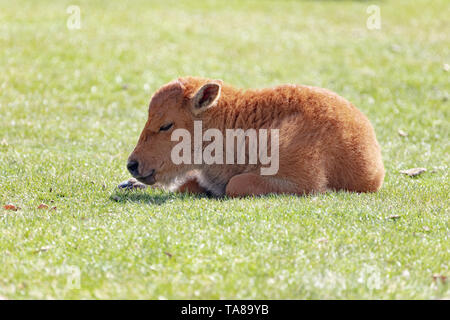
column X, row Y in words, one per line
column 191, row 186
column 250, row 184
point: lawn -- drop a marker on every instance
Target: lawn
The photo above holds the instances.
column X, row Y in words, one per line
column 72, row 105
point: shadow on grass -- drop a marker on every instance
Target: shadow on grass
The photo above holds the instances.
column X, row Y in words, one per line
column 143, row 197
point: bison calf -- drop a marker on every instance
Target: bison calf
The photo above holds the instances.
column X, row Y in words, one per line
column 319, row 140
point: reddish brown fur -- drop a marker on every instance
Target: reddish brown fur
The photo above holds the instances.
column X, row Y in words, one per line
column 325, row 142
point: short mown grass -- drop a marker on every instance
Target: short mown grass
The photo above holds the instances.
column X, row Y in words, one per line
column 73, row 102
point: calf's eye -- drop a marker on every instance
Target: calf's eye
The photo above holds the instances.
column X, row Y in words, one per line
column 166, row 127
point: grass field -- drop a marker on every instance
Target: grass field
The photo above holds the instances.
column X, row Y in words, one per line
column 73, row 102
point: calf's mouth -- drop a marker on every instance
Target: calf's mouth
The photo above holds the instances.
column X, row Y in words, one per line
column 148, row 179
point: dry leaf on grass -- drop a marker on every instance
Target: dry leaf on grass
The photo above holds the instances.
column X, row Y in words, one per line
column 22, row 285
column 168, row 254
column 10, row 207
column 42, row 206
column 414, row 171
column 43, row 249
column 439, row 277
column 394, row 217
column 402, row 133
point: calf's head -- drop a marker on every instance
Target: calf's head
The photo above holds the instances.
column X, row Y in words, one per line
column 174, row 106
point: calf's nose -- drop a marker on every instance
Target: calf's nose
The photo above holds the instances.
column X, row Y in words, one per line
column 132, row 166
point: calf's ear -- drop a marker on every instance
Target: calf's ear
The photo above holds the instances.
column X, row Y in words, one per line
column 206, row 97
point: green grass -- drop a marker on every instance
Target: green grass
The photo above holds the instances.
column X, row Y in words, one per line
column 69, row 126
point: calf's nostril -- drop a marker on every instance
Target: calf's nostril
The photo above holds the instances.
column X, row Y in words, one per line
column 132, row 166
